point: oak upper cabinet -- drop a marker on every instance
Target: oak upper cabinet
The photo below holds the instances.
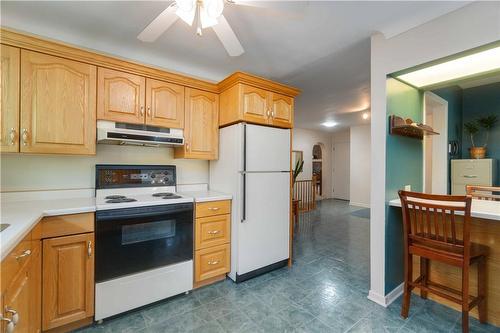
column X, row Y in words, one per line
column 68, row 279
column 9, row 104
column 255, row 104
column 58, row 98
column 164, row 104
column 281, row 110
column 248, row 98
column 120, row 96
column 201, row 130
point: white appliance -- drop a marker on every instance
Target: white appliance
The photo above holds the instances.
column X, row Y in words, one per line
column 254, row 166
column 472, row 172
column 143, row 237
column 111, row 132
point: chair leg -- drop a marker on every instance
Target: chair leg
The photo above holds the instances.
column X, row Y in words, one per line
column 465, row 298
column 424, row 271
column 405, row 308
column 481, row 289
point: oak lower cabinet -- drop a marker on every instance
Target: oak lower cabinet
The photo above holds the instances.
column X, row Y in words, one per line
column 58, row 105
column 21, row 288
column 212, row 257
column 9, row 103
column 201, row 126
column 68, row 280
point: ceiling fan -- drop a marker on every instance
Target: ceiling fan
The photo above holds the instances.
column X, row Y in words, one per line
column 202, row 13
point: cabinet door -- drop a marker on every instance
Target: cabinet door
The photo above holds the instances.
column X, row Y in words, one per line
column 68, row 279
column 23, row 295
column 201, row 128
column 282, row 110
column 120, row 96
column 57, row 105
column 164, row 104
column 255, row 104
column 9, row 104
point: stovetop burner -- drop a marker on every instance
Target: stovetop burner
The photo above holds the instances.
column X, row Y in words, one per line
column 115, row 197
column 120, row 200
column 163, row 194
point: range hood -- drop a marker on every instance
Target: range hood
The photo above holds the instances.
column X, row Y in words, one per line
column 111, row 132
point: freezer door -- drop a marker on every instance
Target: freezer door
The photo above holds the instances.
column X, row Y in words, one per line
column 267, row 148
column 263, row 237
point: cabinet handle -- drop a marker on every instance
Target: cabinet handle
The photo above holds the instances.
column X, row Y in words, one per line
column 470, row 176
column 213, row 208
column 187, row 146
column 214, row 232
column 24, row 254
column 213, row 262
column 89, row 249
column 149, row 111
column 9, row 328
column 142, row 110
column 272, row 114
column 12, row 136
column 15, row 315
column 268, row 113
column 25, row 137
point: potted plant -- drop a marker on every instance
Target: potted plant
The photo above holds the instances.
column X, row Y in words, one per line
column 473, row 127
column 298, row 169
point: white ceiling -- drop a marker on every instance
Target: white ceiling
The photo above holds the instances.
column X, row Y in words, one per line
column 321, row 47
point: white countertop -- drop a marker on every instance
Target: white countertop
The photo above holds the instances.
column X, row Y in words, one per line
column 204, row 196
column 24, row 215
column 483, row 209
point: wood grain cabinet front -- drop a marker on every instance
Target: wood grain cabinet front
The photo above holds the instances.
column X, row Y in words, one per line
column 67, row 280
column 58, row 100
column 212, row 231
column 9, row 103
column 201, row 126
column 164, row 104
column 212, row 262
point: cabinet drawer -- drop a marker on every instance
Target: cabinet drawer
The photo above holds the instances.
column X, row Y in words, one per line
column 212, row 262
column 72, row 224
column 212, row 230
column 212, row 208
column 473, row 172
column 15, row 261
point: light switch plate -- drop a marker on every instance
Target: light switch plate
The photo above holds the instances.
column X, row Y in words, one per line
column 407, row 187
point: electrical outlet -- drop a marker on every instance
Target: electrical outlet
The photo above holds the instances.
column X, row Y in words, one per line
column 407, row 187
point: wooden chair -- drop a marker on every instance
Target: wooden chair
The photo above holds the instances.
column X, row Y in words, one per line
column 432, row 233
column 483, row 192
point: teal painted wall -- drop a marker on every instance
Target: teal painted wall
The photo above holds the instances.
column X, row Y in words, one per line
column 403, row 167
column 453, row 95
column 479, row 102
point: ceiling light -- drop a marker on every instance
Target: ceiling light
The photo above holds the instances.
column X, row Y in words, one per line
column 366, row 115
column 329, row 123
column 205, row 12
column 469, row 65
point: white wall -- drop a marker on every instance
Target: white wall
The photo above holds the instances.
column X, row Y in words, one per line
column 304, row 140
column 21, row 172
column 471, row 26
column 360, row 166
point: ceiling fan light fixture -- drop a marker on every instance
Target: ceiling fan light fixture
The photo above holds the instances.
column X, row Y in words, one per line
column 186, row 16
column 213, row 8
column 186, row 5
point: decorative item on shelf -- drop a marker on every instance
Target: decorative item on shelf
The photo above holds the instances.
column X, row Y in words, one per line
column 473, row 127
column 409, row 128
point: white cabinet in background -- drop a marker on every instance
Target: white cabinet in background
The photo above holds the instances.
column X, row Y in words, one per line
column 472, row 172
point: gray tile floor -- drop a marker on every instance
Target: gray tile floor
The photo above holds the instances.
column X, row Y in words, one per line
column 324, row 291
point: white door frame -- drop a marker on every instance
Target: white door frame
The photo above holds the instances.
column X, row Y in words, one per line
column 439, row 145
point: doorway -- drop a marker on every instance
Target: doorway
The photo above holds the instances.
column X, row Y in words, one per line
column 317, row 170
column 435, row 151
column 341, row 166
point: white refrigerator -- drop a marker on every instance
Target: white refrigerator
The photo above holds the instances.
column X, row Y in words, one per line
column 254, row 166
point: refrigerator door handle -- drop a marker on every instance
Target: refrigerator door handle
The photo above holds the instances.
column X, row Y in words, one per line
column 244, row 198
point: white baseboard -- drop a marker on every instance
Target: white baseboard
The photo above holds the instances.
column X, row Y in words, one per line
column 359, row 204
column 386, row 300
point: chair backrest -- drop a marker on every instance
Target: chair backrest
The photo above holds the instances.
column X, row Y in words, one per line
column 430, row 220
column 484, row 192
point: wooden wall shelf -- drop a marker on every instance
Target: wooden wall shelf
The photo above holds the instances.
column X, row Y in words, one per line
column 402, row 127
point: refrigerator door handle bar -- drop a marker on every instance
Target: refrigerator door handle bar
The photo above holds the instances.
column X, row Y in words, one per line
column 244, row 203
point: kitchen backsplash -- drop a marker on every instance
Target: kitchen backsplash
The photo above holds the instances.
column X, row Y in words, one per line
column 23, row 172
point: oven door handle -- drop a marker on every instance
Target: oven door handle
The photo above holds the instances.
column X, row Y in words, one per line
column 128, row 213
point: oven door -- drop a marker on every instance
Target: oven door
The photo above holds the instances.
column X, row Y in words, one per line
column 133, row 240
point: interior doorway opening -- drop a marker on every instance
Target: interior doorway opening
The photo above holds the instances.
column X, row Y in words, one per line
column 317, row 169
column 435, row 150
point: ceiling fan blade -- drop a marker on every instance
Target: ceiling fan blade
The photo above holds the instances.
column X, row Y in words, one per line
column 228, row 38
column 159, row 25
